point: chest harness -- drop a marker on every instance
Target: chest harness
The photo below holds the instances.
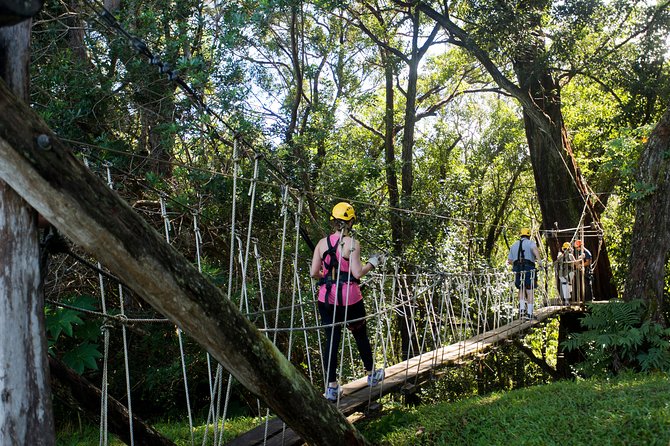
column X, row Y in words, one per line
column 521, row 260
column 330, row 264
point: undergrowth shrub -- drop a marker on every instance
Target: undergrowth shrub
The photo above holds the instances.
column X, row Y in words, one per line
column 618, row 338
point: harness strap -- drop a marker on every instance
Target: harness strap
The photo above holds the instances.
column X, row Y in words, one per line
column 330, row 276
column 345, row 277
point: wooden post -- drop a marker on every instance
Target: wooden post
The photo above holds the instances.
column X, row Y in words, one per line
column 25, row 395
column 44, row 172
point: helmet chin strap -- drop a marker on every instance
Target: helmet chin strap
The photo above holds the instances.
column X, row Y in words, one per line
column 344, row 227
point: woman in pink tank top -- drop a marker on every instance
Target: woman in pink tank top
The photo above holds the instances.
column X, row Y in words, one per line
column 336, row 263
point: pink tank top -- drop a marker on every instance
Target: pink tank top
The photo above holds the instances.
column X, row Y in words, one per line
column 351, row 291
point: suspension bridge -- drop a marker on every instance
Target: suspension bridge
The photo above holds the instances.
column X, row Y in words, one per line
column 449, row 317
column 439, row 312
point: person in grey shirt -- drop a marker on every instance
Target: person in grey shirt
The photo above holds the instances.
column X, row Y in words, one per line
column 522, row 256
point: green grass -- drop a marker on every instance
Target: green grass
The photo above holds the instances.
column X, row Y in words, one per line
column 631, row 410
column 178, row 432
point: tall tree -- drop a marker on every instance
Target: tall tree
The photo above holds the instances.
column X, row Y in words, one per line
column 510, row 32
column 385, row 38
column 26, row 416
column 301, row 67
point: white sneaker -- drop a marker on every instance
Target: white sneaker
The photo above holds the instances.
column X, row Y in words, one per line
column 375, row 377
column 332, row 393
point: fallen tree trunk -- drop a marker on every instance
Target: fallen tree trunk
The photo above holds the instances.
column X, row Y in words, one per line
column 42, row 170
column 79, row 394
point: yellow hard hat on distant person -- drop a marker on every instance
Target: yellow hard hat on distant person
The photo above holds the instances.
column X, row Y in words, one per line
column 524, row 232
column 343, row 211
column 566, row 245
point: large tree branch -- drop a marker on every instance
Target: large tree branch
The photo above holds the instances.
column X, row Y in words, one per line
column 359, row 24
column 464, row 40
column 367, row 127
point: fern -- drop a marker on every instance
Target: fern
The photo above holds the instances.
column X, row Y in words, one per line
column 617, row 338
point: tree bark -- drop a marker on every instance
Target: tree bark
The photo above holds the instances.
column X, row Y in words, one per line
column 650, row 244
column 83, row 208
column 389, row 153
column 408, row 130
column 392, row 186
column 13, row 12
column 26, row 417
column 79, row 394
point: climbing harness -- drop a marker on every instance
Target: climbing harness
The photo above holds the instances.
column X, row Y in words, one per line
column 333, row 275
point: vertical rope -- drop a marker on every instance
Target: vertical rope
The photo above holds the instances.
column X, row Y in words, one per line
column 261, row 296
column 231, row 264
column 104, row 385
column 127, row 368
column 284, row 212
column 104, row 388
column 298, row 288
column 247, row 247
column 212, row 383
column 125, row 340
column 296, row 251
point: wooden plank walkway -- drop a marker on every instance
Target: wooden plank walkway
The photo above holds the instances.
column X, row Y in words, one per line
column 357, row 395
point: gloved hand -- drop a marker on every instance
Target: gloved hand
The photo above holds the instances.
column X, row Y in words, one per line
column 375, row 260
column 541, row 263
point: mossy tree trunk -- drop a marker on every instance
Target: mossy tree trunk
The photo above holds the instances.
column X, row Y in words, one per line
column 650, row 244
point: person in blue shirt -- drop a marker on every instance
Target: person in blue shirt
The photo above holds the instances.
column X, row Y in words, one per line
column 522, row 256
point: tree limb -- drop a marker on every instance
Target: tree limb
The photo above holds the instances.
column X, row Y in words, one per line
column 542, row 364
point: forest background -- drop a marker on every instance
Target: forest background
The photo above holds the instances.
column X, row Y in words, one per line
column 447, row 126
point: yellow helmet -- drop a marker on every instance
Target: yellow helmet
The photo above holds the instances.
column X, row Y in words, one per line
column 343, row 211
column 566, row 245
column 524, row 232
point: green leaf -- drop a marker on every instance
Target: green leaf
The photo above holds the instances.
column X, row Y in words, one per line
column 83, row 356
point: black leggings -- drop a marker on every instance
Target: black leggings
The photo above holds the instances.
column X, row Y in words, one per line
column 358, row 329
